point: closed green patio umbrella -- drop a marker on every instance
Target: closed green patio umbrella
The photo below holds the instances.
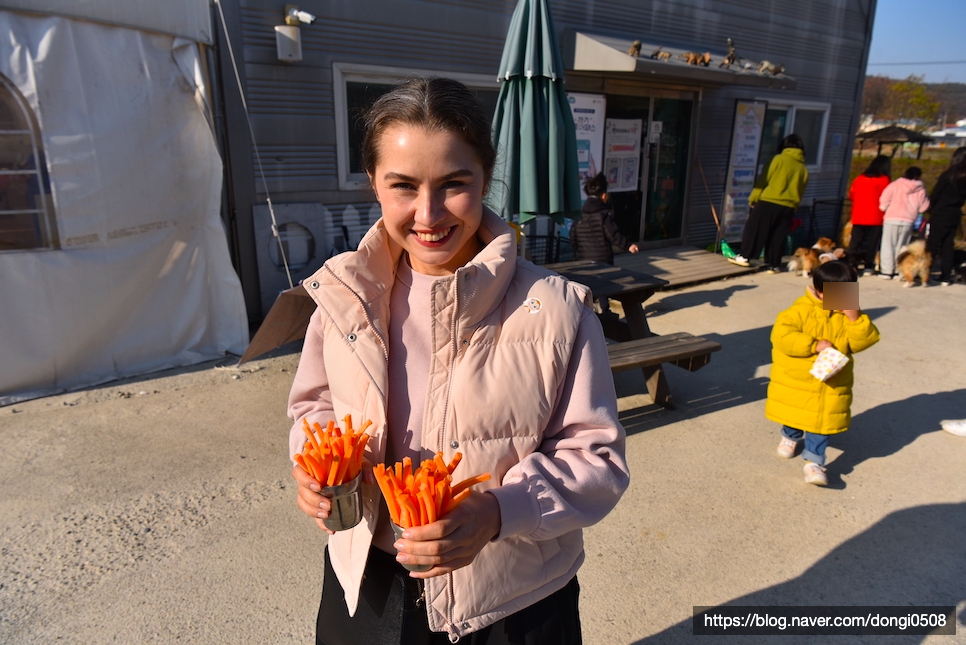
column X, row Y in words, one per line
column 533, row 128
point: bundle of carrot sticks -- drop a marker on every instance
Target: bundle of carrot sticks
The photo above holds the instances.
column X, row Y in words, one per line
column 425, row 495
column 334, row 456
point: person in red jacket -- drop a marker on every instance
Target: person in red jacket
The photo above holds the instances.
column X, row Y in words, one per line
column 866, row 215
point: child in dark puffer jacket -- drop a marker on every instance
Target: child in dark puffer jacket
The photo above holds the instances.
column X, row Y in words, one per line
column 595, row 235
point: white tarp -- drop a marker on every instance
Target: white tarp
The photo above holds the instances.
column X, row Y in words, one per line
column 142, row 280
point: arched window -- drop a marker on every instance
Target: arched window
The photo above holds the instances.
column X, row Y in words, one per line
column 26, row 209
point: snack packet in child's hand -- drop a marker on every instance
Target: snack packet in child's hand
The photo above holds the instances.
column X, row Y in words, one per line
column 829, row 362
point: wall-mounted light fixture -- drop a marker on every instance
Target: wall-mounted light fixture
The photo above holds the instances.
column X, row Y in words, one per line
column 288, row 37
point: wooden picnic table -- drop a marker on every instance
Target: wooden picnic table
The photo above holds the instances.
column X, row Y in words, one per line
column 630, row 288
column 637, row 346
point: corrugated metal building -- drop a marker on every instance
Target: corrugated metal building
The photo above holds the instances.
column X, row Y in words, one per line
column 301, row 98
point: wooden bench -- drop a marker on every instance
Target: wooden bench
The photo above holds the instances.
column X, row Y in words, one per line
column 681, row 349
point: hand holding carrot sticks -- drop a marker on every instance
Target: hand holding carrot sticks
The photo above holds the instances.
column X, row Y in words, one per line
column 334, row 457
column 445, row 526
column 330, row 457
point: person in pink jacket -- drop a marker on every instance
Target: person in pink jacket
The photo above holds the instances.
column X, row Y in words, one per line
column 901, row 202
column 447, row 341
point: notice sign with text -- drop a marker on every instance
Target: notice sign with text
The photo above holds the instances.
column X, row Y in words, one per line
column 588, row 111
column 742, row 165
column 622, row 154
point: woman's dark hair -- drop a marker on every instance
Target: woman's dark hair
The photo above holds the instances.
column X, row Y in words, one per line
column 440, row 104
column 912, row 172
column 834, row 271
column 957, row 168
column 596, row 186
column 959, row 156
column 881, row 166
column 792, row 141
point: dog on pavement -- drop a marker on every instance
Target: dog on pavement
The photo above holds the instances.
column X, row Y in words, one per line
column 807, row 260
column 914, row 261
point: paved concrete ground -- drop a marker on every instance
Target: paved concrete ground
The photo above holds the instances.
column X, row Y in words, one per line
column 160, row 510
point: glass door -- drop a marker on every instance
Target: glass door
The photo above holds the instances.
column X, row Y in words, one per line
column 628, row 201
column 668, row 145
column 652, row 209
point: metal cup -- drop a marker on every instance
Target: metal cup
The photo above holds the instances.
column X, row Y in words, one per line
column 346, row 504
column 397, row 531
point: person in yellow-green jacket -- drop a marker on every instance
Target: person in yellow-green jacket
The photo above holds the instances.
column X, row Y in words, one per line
column 773, row 201
column 807, row 407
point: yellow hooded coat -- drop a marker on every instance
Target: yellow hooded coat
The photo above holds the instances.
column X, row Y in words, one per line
column 795, row 397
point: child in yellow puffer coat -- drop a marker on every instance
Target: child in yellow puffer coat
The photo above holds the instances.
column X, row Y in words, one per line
column 806, row 406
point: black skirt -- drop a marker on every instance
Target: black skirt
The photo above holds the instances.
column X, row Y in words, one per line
column 392, row 611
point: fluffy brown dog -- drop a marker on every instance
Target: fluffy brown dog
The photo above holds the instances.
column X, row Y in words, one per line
column 806, row 260
column 914, row 260
column 846, row 237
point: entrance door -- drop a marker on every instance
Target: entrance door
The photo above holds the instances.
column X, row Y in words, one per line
column 653, row 210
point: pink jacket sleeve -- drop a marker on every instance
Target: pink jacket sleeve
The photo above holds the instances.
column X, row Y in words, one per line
column 579, row 472
column 309, row 397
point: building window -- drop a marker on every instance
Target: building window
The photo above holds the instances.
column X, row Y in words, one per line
column 808, row 120
column 26, row 210
column 356, row 89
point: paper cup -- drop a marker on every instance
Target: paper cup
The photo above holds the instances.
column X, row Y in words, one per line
column 829, row 362
column 397, row 531
column 346, row 504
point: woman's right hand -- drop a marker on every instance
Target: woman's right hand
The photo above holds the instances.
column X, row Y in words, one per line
column 310, row 498
column 822, row 344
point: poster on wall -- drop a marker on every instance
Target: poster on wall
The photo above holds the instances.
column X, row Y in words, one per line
column 622, row 154
column 742, row 165
column 588, row 111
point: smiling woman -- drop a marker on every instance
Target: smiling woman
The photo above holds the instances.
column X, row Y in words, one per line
column 431, row 186
column 437, row 332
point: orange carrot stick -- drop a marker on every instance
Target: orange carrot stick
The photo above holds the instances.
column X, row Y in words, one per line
column 343, row 469
column 308, row 432
column 440, row 464
column 300, row 460
column 454, row 502
column 334, row 470
column 466, row 483
column 429, row 506
column 454, row 462
column 316, row 468
column 407, row 470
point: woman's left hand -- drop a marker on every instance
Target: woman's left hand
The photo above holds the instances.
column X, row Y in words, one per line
column 454, row 541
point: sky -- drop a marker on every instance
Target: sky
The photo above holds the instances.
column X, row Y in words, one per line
column 917, row 31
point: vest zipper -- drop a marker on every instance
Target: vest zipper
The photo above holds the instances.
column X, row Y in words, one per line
column 450, row 596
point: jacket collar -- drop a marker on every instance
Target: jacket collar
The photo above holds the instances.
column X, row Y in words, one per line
column 815, row 301
column 371, row 270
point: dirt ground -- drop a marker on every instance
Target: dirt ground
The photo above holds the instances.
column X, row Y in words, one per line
column 161, row 510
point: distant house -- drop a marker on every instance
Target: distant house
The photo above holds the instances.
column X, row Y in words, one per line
column 948, row 138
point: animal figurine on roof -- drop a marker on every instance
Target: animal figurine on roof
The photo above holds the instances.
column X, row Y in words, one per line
column 659, row 54
column 694, row 58
column 732, row 56
column 635, row 49
column 766, row 67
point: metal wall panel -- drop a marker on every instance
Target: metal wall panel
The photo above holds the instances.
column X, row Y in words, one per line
column 822, row 43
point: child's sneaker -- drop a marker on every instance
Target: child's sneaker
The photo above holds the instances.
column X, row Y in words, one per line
column 815, row 474
column 787, row 448
column 957, row 427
